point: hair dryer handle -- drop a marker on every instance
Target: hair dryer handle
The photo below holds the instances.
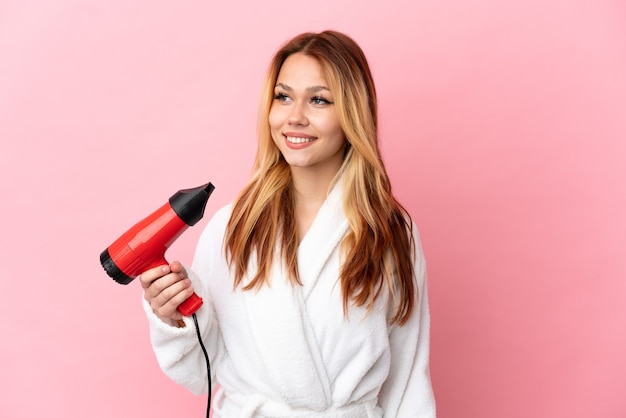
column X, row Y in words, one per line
column 191, row 305
column 193, row 302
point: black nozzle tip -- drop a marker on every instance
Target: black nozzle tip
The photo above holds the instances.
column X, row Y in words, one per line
column 189, row 204
column 208, row 188
column 112, row 269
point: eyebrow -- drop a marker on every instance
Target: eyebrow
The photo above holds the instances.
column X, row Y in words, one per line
column 313, row 89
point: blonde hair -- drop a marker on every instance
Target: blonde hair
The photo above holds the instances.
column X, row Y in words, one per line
column 378, row 248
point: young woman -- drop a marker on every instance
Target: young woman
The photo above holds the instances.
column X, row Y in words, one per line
column 313, row 280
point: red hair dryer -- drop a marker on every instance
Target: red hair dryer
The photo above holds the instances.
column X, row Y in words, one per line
column 143, row 246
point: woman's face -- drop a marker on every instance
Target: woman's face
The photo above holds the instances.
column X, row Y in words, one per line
column 302, row 118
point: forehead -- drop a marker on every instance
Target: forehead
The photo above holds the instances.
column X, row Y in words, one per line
column 300, row 70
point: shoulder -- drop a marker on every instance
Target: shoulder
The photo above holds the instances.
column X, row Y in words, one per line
column 221, row 217
column 417, row 252
column 209, row 247
column 214, row 230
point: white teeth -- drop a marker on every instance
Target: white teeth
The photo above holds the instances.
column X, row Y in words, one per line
column 298, row 140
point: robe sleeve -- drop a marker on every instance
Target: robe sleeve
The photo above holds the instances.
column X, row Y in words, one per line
column 407, row 392
column 177, row 350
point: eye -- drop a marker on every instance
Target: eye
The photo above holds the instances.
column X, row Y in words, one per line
column 320, row 101
column 281, row 97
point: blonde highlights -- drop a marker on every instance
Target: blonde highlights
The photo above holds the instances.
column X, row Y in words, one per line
column 377, row 249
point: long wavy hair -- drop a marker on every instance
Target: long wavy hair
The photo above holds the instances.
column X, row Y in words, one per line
column 378, row 248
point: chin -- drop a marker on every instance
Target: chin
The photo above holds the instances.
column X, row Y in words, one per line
column 298, row 164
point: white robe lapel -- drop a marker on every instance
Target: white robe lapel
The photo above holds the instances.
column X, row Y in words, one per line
column 279, row 321
column 324, row 235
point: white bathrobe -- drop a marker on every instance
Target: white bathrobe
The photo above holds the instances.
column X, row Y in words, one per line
column 289, row 351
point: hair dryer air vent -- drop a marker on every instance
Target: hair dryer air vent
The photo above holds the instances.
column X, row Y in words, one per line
column 112, row 270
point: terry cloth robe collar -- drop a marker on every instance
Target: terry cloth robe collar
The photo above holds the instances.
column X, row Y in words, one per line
column 279, row 320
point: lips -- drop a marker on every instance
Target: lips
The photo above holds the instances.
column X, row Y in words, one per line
column 296, row 141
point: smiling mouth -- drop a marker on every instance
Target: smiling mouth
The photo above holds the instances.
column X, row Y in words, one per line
column 299, row 139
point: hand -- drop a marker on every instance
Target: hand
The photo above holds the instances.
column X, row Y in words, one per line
column 165, row 288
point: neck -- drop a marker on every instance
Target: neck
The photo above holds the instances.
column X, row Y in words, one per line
column 310, row 191
column 311, row 186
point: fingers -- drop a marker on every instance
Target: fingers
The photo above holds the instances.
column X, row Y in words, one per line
column 147, row 277
column 177, row 267
column 165, row 288
column 166, row 302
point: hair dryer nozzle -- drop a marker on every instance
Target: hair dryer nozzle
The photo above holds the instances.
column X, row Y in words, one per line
column 189, row 204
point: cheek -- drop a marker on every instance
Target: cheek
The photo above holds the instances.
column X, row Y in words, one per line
column 331, row 127
column 275, row 129
column 274, row 119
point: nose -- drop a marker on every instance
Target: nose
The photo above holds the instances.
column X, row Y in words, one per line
column 297, row 114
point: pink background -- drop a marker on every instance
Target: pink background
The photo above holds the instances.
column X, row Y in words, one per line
column 504, row 132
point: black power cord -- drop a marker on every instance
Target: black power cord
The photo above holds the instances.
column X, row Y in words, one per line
column 208, row 364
